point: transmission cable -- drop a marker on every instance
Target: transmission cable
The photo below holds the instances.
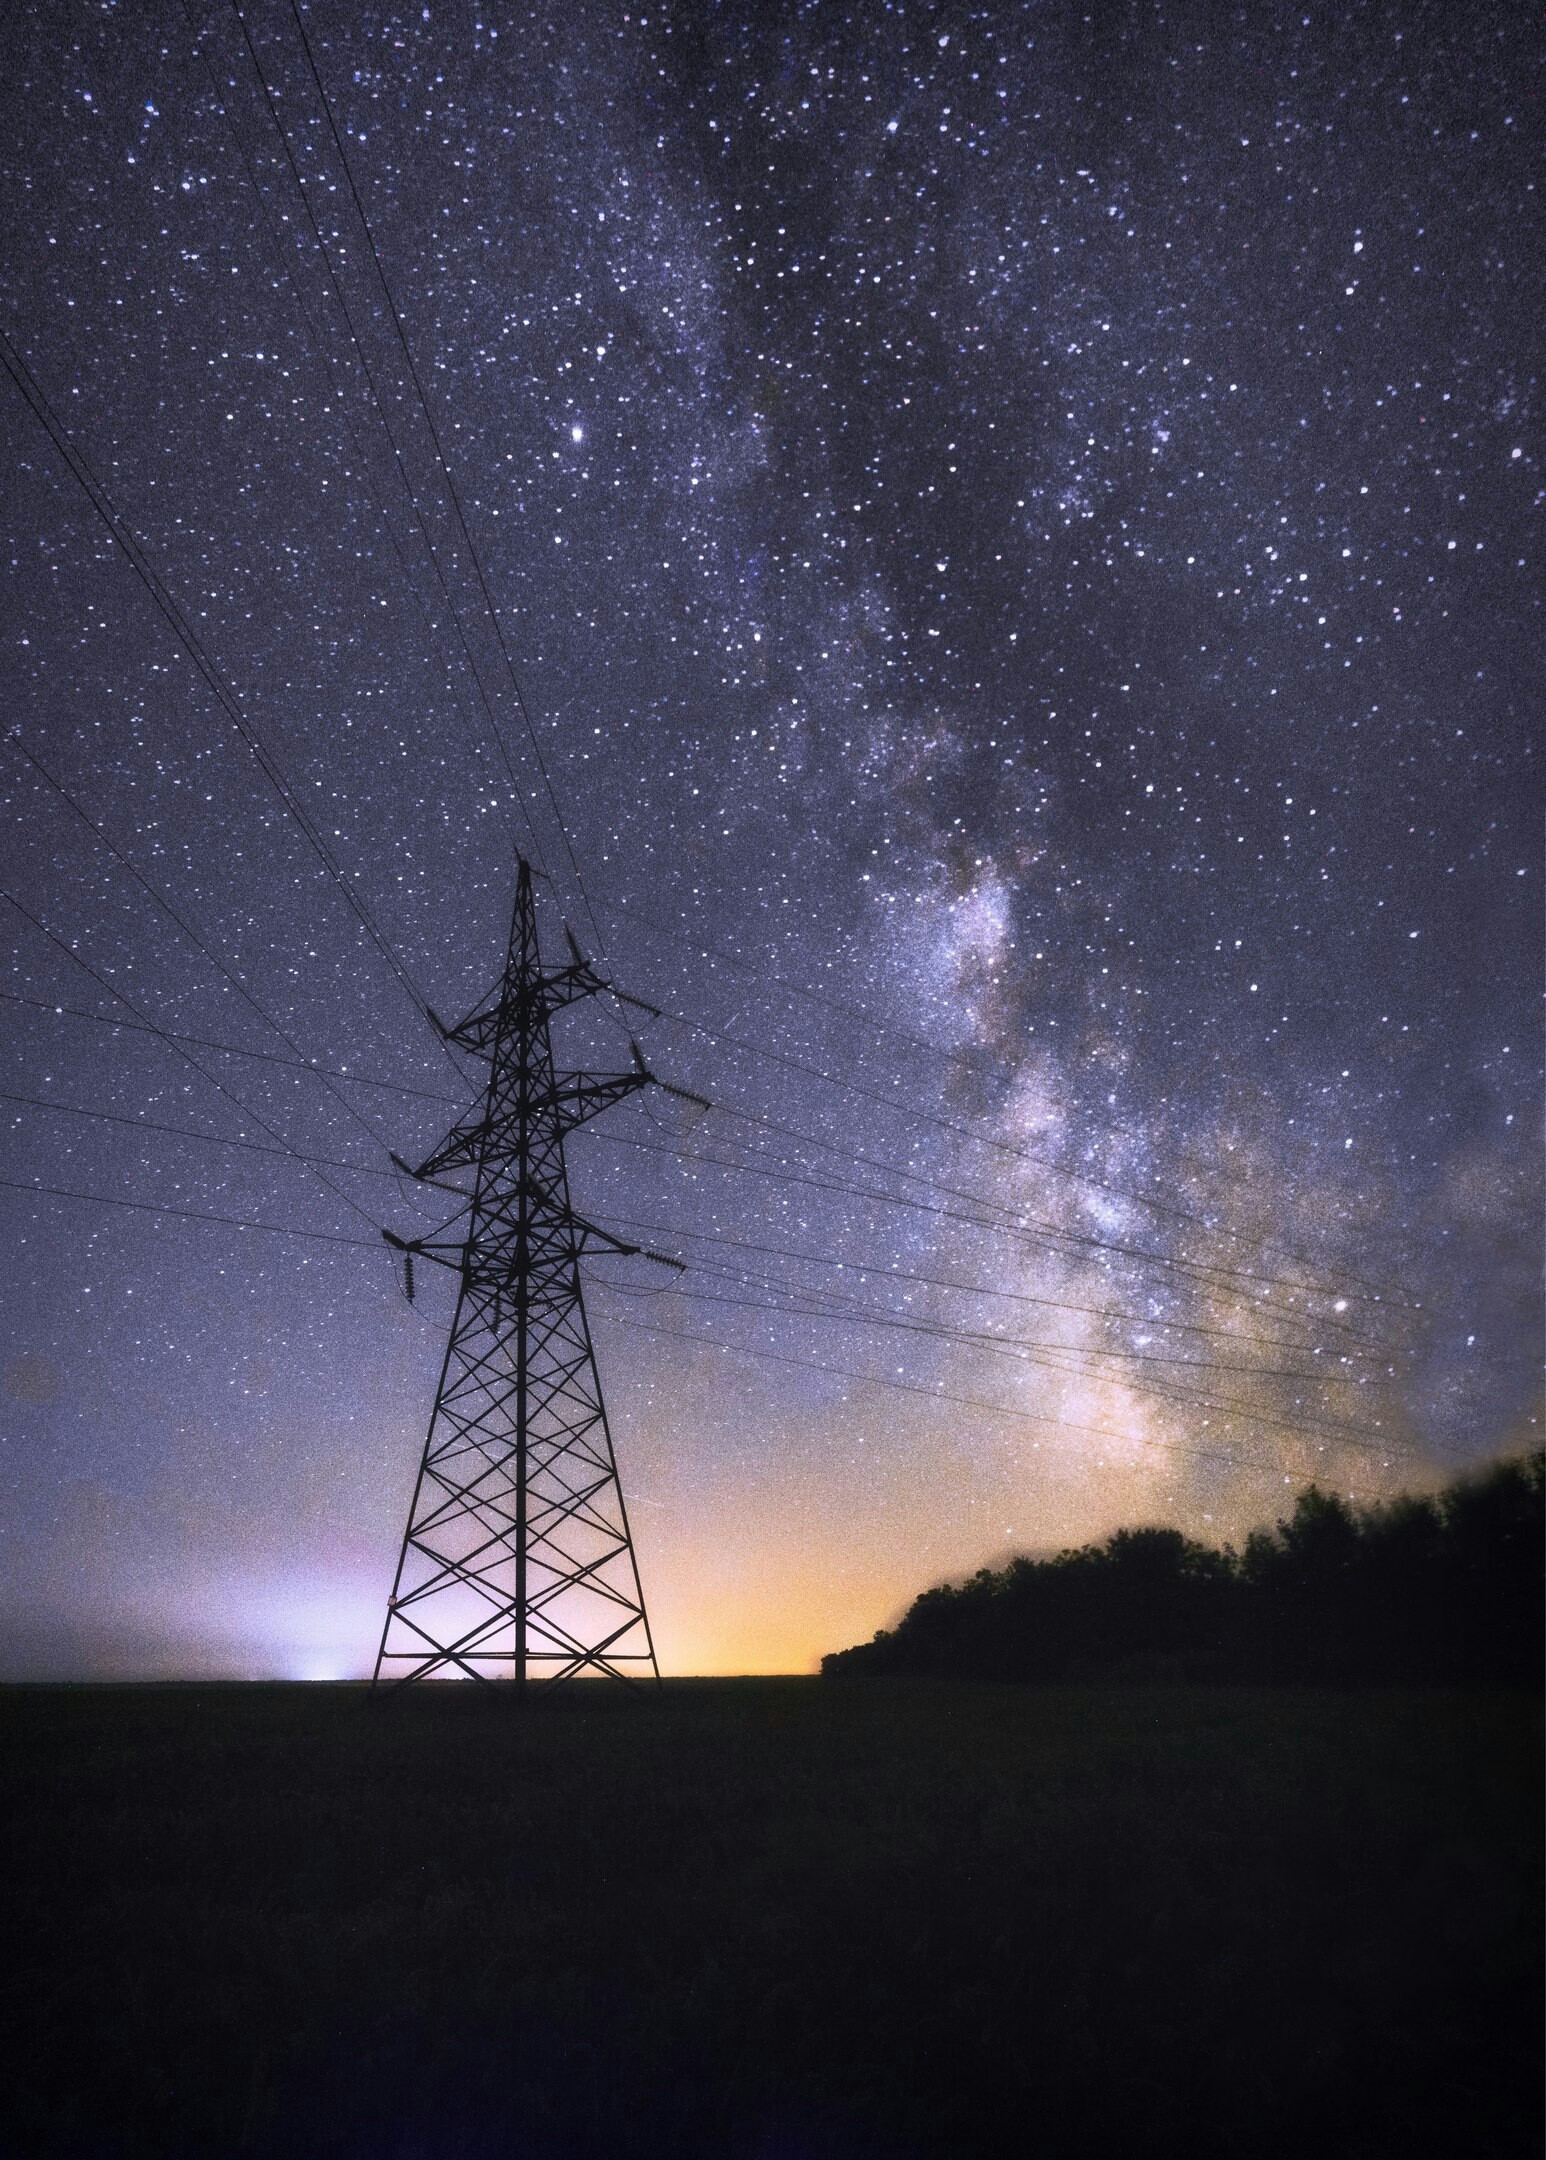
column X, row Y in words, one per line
column 186, row 1055
column 970, row 1402
column 205, row 1042
column 839, row 1305
column 1310, row 1427
column 227, row 698
column 148, row 1207
column 1000, row 1227
column 901, row 1387
column 181, row 922
column 946, row 1282
column 1049, row 1232
column 190, row 1132
column 806, row 1297
column 804, row 1301
column 452, row 492
column 798, row 1303
column 762, row 1170
column 714, row 954
column 323, row 347
column 925, row 1117
column 680, row 1334
column 1002, row 1223
column 791, row 1132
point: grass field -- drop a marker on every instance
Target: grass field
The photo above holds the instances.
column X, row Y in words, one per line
column 773, row 1920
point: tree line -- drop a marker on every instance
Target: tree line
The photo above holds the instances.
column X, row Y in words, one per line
column 1441, row 1589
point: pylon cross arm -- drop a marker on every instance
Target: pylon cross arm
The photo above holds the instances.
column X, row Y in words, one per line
column 581, row 1096
column 445, row 1252
column 541, row 994
column 458, row 1151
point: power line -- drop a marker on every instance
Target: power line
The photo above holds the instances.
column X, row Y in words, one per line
column 793, row 1302
column 902, row 1387
column 322, row 350
column 981, row 1221
column 839, row 1305
column 1000, row 1223
column 970, row 1402
column 946, row 1282
column 805, row 1302
column 1006, row 1147
column 186, row 1055
column 379, row 404
column 120, row 533
column 801, row 1302
column 187, row 929
column 205, row 1042
column 1045, row 1233
column 148, row 1207
column 848, row 1009
column 859, row 1313
column 1308, row 1428
column 1020, row 1353
column 227, row 698
column 189, row 1132
column 741, row 1167
column 440, row 458
column 792, row 1132
column 766, row 1123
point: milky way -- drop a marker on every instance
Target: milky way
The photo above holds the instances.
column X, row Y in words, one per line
column 1010, row 531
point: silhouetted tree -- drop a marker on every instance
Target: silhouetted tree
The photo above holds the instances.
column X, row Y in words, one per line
column 1447, row 1589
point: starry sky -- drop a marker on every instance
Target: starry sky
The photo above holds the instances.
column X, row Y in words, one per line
column 984, row 553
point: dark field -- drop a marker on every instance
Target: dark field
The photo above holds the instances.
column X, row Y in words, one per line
column 784, row 1920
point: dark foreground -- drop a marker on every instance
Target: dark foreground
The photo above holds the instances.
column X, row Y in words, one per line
column 784, row 1920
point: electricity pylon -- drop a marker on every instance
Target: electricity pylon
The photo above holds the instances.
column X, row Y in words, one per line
column 517, row 1562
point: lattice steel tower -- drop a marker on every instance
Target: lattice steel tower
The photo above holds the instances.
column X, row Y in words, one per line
column 517, row 1562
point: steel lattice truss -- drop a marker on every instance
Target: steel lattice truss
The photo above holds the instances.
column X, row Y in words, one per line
column 517, row 1562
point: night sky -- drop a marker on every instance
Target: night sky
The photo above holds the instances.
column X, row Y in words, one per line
column 1010, row 528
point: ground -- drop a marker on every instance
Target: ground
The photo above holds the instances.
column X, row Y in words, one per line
column 770, row 1920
